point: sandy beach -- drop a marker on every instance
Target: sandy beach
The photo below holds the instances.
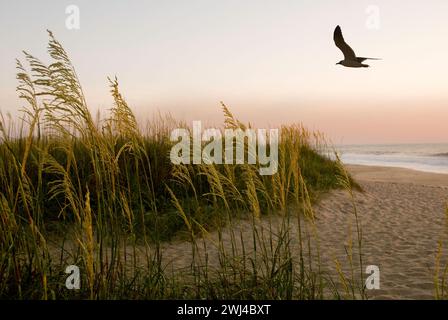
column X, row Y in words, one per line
column 403, row 217
column 402, row 213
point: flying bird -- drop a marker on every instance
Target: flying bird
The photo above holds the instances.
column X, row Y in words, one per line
column 350, row 58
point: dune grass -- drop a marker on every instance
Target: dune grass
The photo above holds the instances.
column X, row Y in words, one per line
column 103, row 195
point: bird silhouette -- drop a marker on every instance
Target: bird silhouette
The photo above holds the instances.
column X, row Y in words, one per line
column 350, row 58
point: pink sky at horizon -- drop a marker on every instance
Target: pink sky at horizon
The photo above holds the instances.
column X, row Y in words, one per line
column 271, row 62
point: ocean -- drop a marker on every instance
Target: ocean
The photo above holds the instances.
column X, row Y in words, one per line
column 422, row 157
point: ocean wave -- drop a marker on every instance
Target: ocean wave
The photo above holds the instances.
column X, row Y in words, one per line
column 443, row 154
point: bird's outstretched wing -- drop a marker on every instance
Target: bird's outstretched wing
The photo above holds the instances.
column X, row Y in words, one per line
column 348, row 52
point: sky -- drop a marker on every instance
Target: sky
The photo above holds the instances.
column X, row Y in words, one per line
column 272, row 62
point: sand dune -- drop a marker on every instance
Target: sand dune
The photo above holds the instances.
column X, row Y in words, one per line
column 402, row 213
